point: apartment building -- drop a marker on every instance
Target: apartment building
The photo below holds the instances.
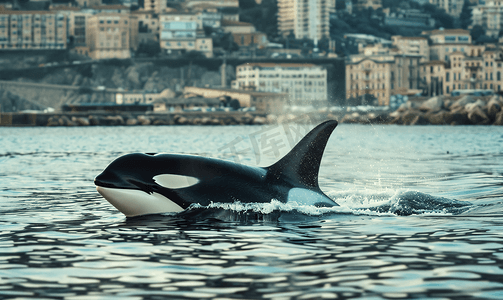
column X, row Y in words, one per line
column 305, row 18
column 76, row 25
column 489, row 14
column 446, row 41
column 112, row 35
column 32, row 30
column 412, row 46
column 304, row 83
column 483, row 70
column 381, row 75
column 148, row 26
column 181, row 32
column 451, row 7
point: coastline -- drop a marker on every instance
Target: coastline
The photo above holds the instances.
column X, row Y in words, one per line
column 466, row 110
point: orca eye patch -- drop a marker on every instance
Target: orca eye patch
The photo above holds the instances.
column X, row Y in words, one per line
column 175, row 181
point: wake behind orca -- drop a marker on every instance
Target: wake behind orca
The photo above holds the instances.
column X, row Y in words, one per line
column 141, row 184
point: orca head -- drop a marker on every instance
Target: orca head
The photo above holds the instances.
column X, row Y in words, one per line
column 136, row 185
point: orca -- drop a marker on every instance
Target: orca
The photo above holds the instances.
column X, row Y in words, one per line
column 142, row 184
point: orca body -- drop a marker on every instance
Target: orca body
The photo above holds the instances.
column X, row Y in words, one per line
column 140, row 184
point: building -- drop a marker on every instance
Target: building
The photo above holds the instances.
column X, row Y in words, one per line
column 33, row 30
column 413, row 18
column 76, row 26
column 489, row 14
column 156, row 6
column 412, row 46
column 305, row 19
column 304, row 83
column 433, row 77
column 141, row 97
column 446, row 41
column 474, row 70
column 112, row 35
column 237, row 27
column 451, row 7
column 216, row 3
column 381, row 76
column 88, row 3
column 148, row 26
column 264, row 102
column 365, row 4
column 251, row 40
column 182, row 32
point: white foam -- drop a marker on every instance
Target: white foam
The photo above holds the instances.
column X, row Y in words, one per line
column 371, row 203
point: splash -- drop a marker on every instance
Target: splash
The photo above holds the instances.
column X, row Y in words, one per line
column 402, row 203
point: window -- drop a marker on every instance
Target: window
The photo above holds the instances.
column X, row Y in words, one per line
column 447, row 77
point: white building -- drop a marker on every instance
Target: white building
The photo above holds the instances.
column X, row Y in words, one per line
column 489, row 14
column 304, row 83
column 451, row 7
column 183, row 32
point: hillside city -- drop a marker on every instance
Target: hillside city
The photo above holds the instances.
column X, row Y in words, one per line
column 388, row 47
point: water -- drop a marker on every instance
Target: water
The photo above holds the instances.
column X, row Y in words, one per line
column 420, row 217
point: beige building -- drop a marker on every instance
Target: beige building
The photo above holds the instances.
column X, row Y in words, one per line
column 237, row 27
column 381, row 75
column 452, row 7
column 412, row 46
column 489, row 14
column 182, row 32
column 112, row 35
column 77, row 19
column 148, row 26
column 305, row 18
column 156, row 6
column 446, row 41
column 483, row 70
column 433, row 76
column 32, row 30
column 264, row 102
column 251, row 40
column 215, row 3
column 304, row 83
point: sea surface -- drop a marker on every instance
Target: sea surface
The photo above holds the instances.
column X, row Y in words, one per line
column 420, row 217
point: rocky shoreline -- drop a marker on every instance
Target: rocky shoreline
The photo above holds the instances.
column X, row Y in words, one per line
column 465, row 110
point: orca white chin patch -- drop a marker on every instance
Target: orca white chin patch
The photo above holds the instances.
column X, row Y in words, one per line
column 175, row 181
column 134, row 203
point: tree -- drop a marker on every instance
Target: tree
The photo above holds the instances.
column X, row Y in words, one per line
column 477, row 31
column 466, row 14
column 149, row 48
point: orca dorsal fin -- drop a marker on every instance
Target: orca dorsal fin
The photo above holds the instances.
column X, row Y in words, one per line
column 302, row 163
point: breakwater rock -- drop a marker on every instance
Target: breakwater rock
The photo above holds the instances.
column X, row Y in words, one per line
column 156, row 119
column 466, row 110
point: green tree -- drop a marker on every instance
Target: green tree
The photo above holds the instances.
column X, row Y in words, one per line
column 466, row 14
column 476, row 32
